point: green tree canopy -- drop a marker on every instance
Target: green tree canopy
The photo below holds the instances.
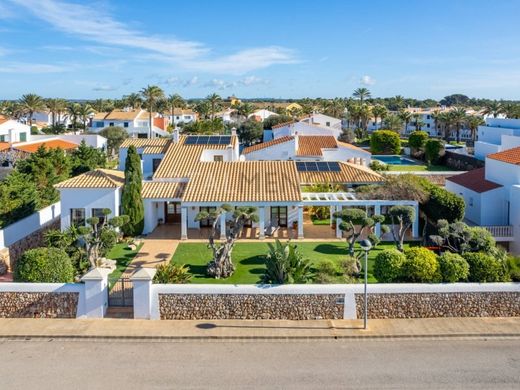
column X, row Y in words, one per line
column 131, row 200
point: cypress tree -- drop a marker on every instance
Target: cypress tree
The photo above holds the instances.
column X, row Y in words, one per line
column 132, row 202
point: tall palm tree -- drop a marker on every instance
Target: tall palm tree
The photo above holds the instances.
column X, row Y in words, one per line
column 365, row 115
column 379, row 111
column 151, row 94
column 133, row 100
column 458, row 118
column 30, row 103
column 393, row 122
column 361, row 94
column 473, row 122
column 445, row 122
column 175, row 101
column 203, row 109
column 399, row 102
column 308, row 106
column 511, row 110
column 214, row 101
column 74, row 112
column 84, row 111
column 406, row 117
column 494, row 108
column 336, row 108
column 245, row 109
column 435, row 116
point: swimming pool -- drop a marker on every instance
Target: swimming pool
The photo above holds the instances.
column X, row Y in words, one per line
column 394, row 160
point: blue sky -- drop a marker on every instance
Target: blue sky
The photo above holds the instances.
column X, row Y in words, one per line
column 289, row 49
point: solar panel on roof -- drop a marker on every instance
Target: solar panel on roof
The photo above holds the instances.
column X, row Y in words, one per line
column 214, row 140
column 300, row 166
column 225, row 140
column 322, row 166
column 334, row 166
column 191, row 140
column 202, row 140
column 312, row 167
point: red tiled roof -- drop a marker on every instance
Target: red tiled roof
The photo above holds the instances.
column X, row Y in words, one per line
column 3, row 119
column 267, row 144
column 4, row 146
column 511, row 156
column 283, row 124
column 474, row 180
column 311, row 145
column 52, row 144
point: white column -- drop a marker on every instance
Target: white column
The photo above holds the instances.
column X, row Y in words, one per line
column 96, row 292
column 142, row 290
column 261, row 222
column 415, row 224
column 184, row 223
column 377, row 211
column 300, row 221
column 332, row 209
column 338, row 221
column 223, row 226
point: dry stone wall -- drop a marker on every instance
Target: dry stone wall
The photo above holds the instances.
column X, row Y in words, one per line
column 38, row 304
column 430, row 305
column 251, row 306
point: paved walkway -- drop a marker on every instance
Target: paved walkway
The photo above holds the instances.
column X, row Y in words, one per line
column 234, row 329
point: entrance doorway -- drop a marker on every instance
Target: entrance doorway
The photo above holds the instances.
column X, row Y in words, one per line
column 279, row 216
column 172, row 212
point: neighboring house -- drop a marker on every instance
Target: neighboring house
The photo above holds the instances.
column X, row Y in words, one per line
column 93, row 140
column 135, row 122
column 11, row 152
column 200, row 173
column 182, row 116
column 228, row 115
column 300, row 128
column 496, row 135
column 323, row 120
column 44, row 119
column 262, row 114
column 293, row 107
column 13, row 131
column 492, row 196
column 307, row 148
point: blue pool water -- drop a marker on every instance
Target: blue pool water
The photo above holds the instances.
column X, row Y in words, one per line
column 394, row 160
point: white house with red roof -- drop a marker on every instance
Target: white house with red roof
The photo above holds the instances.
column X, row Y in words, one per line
column 496, row 135
column 13, row 131
column 492, row 196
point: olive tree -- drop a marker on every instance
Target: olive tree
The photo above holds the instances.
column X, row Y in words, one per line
column 221, row 265
column 403, row 217
column 457, row 237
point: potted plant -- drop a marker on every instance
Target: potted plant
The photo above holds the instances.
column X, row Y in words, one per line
column 295, row 225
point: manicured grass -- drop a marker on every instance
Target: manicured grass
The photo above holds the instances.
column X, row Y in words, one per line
column 415, row 168
column 123, row 256
column 249, row 259
column 320, row 222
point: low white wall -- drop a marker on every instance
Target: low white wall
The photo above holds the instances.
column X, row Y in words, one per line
column 21, row 229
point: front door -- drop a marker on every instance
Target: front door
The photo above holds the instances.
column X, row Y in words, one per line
column 172, row 212
column 279, row 216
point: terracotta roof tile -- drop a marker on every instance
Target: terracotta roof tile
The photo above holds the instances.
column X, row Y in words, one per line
column 349, row 174
column 150, row 145
column 52, row 144
column 3, row 119
column 353, row 147
column 267, row 144
column 311, row 145
column 510, row 156
column 123, row 115
column 99, row 178
column 474, row 180
column 283, row 124
column 4, row 146
column 162, row 190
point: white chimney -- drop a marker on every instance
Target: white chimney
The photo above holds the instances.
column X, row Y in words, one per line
column 234, row 131
column 176, row 135
column 296, row 141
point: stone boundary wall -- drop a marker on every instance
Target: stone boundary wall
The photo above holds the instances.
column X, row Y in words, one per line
column 38, row 304
column 432, row 305
column 251, row 306
column 462, row 162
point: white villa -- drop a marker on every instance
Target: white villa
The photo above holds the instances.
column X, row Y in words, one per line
column 44, row 119
column 323, row 120
column 496, row 135
column 135, row 122
column 182, row 116
column 492, row 196
column 188, row 174
column 12, row 131
column 307, row 148
column 262, row 114
column 300, row 128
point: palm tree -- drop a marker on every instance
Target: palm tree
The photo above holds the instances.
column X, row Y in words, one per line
column 379, row 111
column 245, row 109
column 30, row 103
column 308, row 106
column 74, row 112
column 494, row 108
column 435, row 116
column 202, row 108
column 511, row 110
column 214, row 101
column 458, row 118
column 175, row 101
column 84, row 111
column 365, row 115
column 399, row 101
column 133, row 100
column 445, row 121
column 336, row 107
column 151, row 94
column 405, row 117
column 362, row 94
column 473, row 122
column 393, row 122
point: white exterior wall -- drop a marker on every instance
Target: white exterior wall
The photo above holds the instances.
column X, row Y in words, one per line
column 345, row 154
column 514, row 218
column 93, row 140
column 88, row 198
column 323, row 121
column 502, row 173
column 282, row 151
column 482, row 149
column 147, row 163
column 471, row 213
column 302, row 128
column 184, row 118
column 10, row 131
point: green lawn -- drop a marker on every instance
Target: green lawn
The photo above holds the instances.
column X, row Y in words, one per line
column 415, row 168
column 123, row 256
column 249, row 259
column 321, row 221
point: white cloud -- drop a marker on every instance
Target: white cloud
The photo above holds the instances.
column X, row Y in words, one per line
column 180, row 82
column 21, row 67
column 104, row 88
column 367, row 80
column 92, row 23
column 220, row 84
column 252, row 80
column 225, row 84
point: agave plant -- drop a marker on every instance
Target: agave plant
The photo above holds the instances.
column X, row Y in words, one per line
column 285, row 264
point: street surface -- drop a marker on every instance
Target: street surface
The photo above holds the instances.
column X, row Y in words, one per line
column 329, row 364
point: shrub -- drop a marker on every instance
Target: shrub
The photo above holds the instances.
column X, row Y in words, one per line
column 418, row 139
column 285, row 264
column 172, row 274
column 453, row 267
column 421, row 266
column 388, row 266
column 443, row 204
column 485, row 268
column 44, row 265
column 349, row 267
column 432, row 150
column 326, row 272
column 379, row 166
column 513, row 266
column 385, row 142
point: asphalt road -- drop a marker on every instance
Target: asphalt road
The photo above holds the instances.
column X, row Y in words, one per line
column 360, row 364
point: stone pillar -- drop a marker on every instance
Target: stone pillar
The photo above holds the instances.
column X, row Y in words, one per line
column 338, row 221
column 96, row 292
column 377, row 211
column 300, row 221
column 184, row 223
column 223, row 226
column 261, row 222
column 415, row 224
column 142, row 285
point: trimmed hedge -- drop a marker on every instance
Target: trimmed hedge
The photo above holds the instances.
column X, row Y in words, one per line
column 442, row 204
column 453, row 267
column 388, row 266
column 421, row 266
column 385, row 142
column 418, row 139
column 485, row 268
column 432, row 150
column 44, row 265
